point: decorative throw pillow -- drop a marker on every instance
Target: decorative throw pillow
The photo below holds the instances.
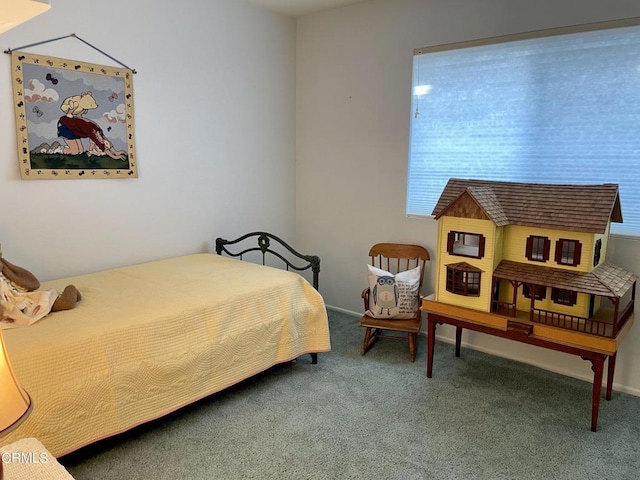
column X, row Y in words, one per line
column 393, row 296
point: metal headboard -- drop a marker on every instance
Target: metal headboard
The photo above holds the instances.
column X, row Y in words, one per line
column 264, row 243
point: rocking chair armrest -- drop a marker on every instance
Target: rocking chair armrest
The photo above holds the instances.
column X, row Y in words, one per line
column 365, row 297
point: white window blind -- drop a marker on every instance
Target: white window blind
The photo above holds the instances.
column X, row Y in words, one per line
column 545, row 107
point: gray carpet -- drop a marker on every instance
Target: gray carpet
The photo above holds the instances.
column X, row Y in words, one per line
column 379, row 417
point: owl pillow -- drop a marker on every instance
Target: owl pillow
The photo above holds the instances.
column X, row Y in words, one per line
column 393, row 296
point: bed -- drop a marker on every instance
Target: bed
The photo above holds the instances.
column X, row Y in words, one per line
column 148, row 339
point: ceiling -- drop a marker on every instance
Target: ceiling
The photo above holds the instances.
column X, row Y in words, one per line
column 295, row 8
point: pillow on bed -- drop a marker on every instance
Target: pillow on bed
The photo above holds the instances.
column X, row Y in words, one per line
column 393, row 296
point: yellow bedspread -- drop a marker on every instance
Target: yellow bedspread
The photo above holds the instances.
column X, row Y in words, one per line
column 150, row 338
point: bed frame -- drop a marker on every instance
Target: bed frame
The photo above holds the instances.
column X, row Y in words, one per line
column 264, row 246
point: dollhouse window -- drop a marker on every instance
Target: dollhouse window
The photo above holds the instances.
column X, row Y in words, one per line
column 563, row 297
column 466, row 244
column 463, row 281
column 538, row 248
column 541, row 292
column 597, row 252
column 568, row 252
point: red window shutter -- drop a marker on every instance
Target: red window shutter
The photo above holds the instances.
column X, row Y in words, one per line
column 547, row 248
column 529, row 249
column 577, row 254
column 450, row 240
column 481, row 243
column 558, row 256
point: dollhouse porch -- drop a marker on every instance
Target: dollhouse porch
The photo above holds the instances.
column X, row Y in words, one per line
column 610, row 291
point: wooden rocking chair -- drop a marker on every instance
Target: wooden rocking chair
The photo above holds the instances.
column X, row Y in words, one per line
column 395, row 258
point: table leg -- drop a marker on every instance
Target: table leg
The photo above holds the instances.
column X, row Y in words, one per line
column 458, row 340
column 431, row 343
column 597, row 365
column 611, row 367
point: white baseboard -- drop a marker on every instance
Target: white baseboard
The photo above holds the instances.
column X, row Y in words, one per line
column 345, row 311
column 561, row 371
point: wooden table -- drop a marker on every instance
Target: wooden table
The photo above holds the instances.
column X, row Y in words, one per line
column 595, row 350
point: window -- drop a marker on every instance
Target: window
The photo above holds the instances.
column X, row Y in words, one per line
column 465, row 244
column 568, row 252
column 561, row 108
column 538, row 248
column 541, row 292
column 597, row 252
column 563, row 297
column 463, row 279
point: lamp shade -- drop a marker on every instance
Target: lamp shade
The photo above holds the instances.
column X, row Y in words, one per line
column 15, row 403
column 14, row 12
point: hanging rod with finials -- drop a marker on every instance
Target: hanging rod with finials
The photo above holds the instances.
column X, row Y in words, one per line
column 9, row 50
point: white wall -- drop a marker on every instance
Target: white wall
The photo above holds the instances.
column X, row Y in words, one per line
column 215, row 135
column 353, row 111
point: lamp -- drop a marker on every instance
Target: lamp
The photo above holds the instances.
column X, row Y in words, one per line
column 15, row 403
column 15, row 12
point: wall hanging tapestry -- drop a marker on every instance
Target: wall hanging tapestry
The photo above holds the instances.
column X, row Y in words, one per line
column 74, row 119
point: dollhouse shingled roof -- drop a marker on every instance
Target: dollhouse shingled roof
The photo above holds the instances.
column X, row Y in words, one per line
column 580, row 208
column 606, row 280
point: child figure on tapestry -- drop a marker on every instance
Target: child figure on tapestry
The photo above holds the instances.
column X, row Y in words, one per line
column 73, row 128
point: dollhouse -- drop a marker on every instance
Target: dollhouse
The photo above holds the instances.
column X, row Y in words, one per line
column 533, row 252
column 528, row 262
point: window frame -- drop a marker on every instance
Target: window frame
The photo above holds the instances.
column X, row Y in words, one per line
column 451, row 244
column 563, row 251
column 560, row 296
column 597, row 252
column 459, row 281
column 532, row 248
column 541, row 291
column 433, row 176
